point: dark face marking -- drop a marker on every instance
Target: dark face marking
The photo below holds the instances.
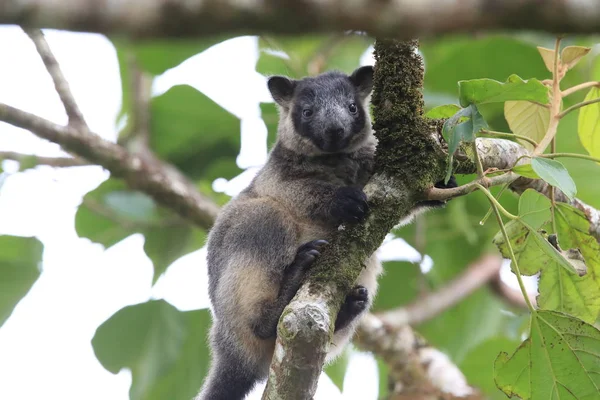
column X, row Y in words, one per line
column 327, row 109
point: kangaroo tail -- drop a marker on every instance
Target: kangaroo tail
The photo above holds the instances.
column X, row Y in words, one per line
column 230, row 377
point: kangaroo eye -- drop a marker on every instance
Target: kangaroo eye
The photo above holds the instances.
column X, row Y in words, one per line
column 307, row 112
column 352, row 108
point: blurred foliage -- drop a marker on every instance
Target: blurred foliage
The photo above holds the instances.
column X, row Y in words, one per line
column 166, row 349
column 20, row 261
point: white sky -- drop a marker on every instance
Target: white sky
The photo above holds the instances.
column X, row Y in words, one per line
column 45, row 348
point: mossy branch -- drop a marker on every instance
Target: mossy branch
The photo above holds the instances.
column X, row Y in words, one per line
column 406, row 150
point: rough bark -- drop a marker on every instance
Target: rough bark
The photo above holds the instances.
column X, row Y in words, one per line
column 406, row 149
column 401, row 18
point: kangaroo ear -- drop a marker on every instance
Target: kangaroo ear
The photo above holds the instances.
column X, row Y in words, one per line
column 362, row 78
column 282, row 89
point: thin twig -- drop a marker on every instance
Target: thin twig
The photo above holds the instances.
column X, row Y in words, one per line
column 60, row 83
column 35, row 160
column 577, row 106
column 579, row 87
column 142, row 93
column 158, row 179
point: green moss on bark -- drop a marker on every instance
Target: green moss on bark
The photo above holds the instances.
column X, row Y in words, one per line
column 406, row 149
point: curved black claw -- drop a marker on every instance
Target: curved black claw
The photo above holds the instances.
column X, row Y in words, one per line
column 349, row 205
column 356, row 302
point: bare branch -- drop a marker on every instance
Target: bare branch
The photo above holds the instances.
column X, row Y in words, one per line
column 408, row 357
column 402, row 19
column 33, row 160
column 432, row 304
column 60, row 83
column 159, row 180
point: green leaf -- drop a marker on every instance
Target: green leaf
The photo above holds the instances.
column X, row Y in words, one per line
column 164, row 348
column 555, row 174
column 534, row 209
column 111, row 212
column 384, row 378
column 165, row 244
column 445, row 111
column 588, row 124
column 183, row 380
column 195, row 134
column 569, row 293
column 574, row 231
column 479, row 368
column 20, row 260
column 158, row 55
column 527, row 119
column 571, row 55
column 456, row 133
column 532, row 250
column 480, row 91
column 559, row 360
column 298, row 57
column 525, row 170
column 400, row 287
column 548, row 57
column 336, row 371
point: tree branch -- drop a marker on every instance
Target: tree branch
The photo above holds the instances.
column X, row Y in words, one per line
column 161, row 181
column 408, row 357
column 429, row 306
column 60, row 83
column 401, row 19
column 503, row 155
column 306, row 324
column 34, row 160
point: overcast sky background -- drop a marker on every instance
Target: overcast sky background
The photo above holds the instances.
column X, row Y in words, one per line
column 45, row 346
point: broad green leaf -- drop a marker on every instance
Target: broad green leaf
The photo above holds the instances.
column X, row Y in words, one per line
column 525, row 170
column 97, row 220
column 569, row 293
column 588, row 124
column 20, row 260
column 532, row 250
column 456, row 133
column 534, row 209
column 164, row 348
column 153, row 57
column 165, row 244
column 574, row 231
column 527, row 119
column 336, row 371
column 445, row 111
column 384, row 378
column 480, row 91
column 571, row 55
column 478, row 366
column 463, row 57
column 548, row 57
column 297, row 57
column 559, row 360
column 555, row 174
column 112, row 212
column 183, row 380
column 158, row 55
column 194, row 133
column 400, row 287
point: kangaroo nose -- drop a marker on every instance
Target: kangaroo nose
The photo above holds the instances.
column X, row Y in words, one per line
column 336, row 131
